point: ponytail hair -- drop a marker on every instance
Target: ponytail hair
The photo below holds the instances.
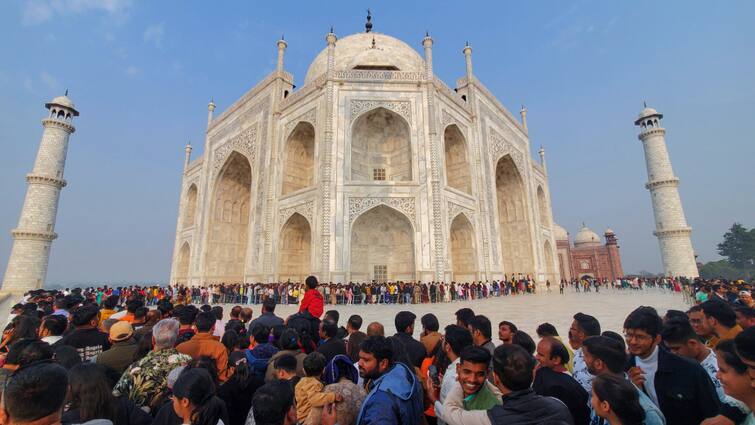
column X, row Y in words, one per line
column 197, row 386
column 622, row 396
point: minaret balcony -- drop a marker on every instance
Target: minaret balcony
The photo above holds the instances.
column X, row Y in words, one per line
column 54, row 122
column 51, row 181
column 33, row 235
column 673, row 182
column 682, row 231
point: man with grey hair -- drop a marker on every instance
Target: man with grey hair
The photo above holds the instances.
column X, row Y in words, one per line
column 146, row 381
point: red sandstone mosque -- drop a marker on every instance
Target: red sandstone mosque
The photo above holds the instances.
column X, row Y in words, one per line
column 589, row 256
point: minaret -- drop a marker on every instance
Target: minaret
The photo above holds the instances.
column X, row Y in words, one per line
column 523, row 113
column 541, row 152
column 468, row 58
column 27, row 266
column 670, row 225
column 210, row 110
column 187, row 159
column 281, row 51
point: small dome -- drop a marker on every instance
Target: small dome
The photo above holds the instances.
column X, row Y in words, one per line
column 586, row 237
column 63, row 101
column 609, row 231
column 560, row 233
column 357, row 50
column 647, row 112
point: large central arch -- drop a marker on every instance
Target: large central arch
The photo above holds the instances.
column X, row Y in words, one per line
column 381, row 147
column 457, row 164
column 382, row 237
column 299, row 159
column 295, row 249
column 516, row 242
column 463, row 253
column 229, row 222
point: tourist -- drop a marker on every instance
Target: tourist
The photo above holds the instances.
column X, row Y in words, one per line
column 513, row 371
column 313, row 300
column 480, row 328
column 86, row 338
column 186, row 316
column 35, row 395
column 745, row 316
column 204, row 343
column 663, row 375
column 582, row 327
column 355, row 337
column 90, row 398
column 506, row 331
column 289, row 346
column 260, row 354
column 341, row 378
column 330, row 345
column 52, row 328
column 194, row 399
column 745, row 345
column 721, row 319
column 145, row 381
column 553, row 379
column 394, row 393
column 736, row 382
column 238, row 390
column 430, row 335
column 268, row 317
column 284, row 368
column 375, row 329
column 23, row 353
column 463, row 316
column 273, row 404
column 120, row 355
column 416, row 352
column 524, row 340
column 456, row 338
column 548, row 330
column 334, row 316
column 308, row 391
column 21, row 327
column 219, row 321
column 615, row 400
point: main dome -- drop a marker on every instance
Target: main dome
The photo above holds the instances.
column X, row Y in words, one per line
column 358, row 51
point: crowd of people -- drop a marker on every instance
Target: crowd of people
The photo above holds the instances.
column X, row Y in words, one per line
column 391, row 292
column 107, row 358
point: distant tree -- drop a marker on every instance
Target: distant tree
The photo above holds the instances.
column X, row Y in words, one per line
column 738, row 246
column 722, row 269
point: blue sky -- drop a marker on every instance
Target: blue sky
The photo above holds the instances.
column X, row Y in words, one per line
column 142, row 72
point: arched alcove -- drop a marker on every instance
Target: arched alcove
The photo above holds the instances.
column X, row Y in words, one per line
column 381, row 147
column 542, row 206
column 457, row 163
column 382, row 240
column 182, row 267
column 190, row 208
column 295, row 249
column 228, row 233
column 516, row 242
column 299, row 159
column 463, row 253
column 550, row 268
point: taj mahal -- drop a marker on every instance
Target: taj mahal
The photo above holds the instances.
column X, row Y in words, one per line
column 374, row 169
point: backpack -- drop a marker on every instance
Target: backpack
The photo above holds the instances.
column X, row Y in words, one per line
column 257, row 367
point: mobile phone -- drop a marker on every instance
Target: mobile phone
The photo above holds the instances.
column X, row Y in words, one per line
column 433, row 372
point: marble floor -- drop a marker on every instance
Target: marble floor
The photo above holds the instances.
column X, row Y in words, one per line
column 610, row 307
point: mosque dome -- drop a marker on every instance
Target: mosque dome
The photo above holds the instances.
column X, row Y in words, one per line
column 357, row 51
column 586, row 237
column 63, row 101
column 560, row 233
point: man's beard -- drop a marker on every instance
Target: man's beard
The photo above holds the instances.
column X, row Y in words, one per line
column 373, row 374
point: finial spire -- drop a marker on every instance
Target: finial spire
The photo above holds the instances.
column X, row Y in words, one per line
column 331, row 29
column 645, row 104
column 368, row 25
column 66, row 92
column 427, row 33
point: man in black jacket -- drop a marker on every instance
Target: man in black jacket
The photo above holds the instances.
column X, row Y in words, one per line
column 679, row 387
column 404, row 322
column 331, row 345
column 553, row 379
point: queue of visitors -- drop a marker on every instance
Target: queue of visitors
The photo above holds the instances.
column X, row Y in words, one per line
column 78, row 358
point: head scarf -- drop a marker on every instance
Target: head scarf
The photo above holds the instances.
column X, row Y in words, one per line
column 333, row 374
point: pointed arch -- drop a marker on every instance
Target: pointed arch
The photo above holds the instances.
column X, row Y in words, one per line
column 380, row 140
column 190, row 208
column 227, row 238
column 382, row 237
column 550, row 268
column 542, row 207
column 295, row 249
column 463, row 252
column 516, row 241
column 299, row 159
column 457, row 159
column 182, row 267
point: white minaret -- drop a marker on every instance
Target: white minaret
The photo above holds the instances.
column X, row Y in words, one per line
column 670, row 225
column 27, row 266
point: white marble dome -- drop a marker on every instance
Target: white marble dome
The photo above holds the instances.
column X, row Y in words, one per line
column 357, row 50
column 63, row 101
column 586, row 237
column 560, row 233
column 647, row 112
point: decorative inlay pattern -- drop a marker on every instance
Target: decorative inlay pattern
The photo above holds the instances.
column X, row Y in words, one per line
column 499, row 147
column 455, row 209
column 403, row 108
column 306, row 209
column 309, row 116
column 448, row 119
column 379, row 75
column 244, row 143
column 406, row 205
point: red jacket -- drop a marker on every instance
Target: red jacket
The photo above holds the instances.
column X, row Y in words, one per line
column 313, row 302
